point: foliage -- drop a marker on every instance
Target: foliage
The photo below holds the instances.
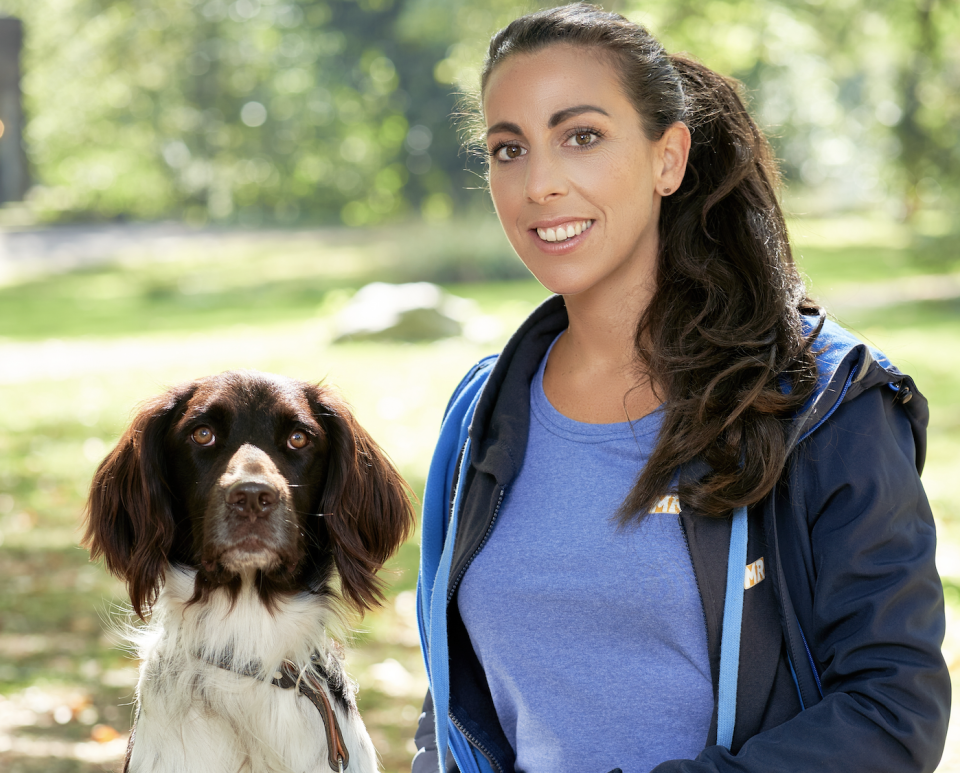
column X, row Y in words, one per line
column 280, row 109
column 862, row 98
column 289, row 110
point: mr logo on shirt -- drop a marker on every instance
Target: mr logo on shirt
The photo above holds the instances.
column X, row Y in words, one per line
column 754, row 574
column 668, row 503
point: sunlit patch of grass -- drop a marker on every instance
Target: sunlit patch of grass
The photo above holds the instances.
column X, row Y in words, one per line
column 56, row 619
column 869, row 249
column 123, row 338
column 267, row 280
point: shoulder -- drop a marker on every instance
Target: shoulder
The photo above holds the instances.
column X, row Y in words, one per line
column 476, row 376
column 867, row 449
column 861, row 440
column 847, row 370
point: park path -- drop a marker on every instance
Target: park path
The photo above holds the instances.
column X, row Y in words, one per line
column 33, row 251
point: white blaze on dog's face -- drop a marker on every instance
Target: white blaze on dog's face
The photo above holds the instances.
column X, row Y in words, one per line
column 251, row 459
column 250, row 521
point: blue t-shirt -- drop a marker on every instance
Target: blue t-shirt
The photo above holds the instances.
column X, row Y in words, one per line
column 592, row 637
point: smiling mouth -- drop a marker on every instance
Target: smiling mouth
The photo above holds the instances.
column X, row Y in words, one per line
column 563, row 232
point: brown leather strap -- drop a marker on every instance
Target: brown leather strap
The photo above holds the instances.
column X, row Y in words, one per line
column 310, row 687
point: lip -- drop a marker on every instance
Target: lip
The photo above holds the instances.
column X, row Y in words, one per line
column 555, row 221
column 558, row 248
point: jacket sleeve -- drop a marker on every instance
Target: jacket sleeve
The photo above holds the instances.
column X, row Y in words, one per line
column 425, row 760
column 877, row 614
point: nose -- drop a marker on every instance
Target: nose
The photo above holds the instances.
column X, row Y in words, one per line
column 252, row 499
column 545, row 180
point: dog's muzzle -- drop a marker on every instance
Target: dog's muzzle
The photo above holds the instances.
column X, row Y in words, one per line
column 250, row 522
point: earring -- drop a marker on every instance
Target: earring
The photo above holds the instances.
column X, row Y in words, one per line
column 666, row 191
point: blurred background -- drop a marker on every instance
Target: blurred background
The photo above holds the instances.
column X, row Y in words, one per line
column 189, row 186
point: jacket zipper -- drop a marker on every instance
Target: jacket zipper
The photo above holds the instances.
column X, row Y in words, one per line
column 486, row 536
column 828, row 414
column 453, row 586
column 483, row 750
column 813, row 666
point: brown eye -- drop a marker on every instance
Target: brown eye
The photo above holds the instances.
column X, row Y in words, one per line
column 203, row 436
column 298, row 439
column 509, row 152
column 582, row 139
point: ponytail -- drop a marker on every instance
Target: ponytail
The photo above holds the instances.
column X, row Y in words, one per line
column 721, row 340
column 722, row 336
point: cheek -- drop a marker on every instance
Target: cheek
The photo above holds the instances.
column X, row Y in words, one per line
column 307, row 491
column 506, row 190
column 613, row 181
column 190, row 475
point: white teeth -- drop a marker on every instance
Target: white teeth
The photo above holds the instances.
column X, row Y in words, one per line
column 564, row 232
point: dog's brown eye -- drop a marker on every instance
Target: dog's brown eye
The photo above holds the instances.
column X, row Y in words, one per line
column 203, row 436
column 298, row 439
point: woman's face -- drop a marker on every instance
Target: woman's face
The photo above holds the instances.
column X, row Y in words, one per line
column 574, row 179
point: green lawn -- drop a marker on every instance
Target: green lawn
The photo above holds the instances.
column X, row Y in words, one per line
column 78, row 351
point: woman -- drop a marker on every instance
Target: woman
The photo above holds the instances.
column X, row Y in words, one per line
column 580, row 594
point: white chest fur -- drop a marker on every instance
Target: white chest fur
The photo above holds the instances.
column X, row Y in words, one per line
column 196, row 716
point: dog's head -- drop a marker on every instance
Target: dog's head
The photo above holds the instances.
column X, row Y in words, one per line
column 248, row 475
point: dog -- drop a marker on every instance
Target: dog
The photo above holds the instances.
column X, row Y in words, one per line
column 248, row 515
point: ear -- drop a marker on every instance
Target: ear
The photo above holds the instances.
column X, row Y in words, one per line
column 129, row 516
column 366, row 503
column 673, row 149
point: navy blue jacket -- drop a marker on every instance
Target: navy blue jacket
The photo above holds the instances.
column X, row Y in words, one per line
column 840, row 663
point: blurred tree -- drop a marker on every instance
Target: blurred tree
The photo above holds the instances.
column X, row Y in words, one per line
column 862, row 97
column 287, row 110
column 241, row 109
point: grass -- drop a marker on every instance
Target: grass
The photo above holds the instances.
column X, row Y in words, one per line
column 79, row 350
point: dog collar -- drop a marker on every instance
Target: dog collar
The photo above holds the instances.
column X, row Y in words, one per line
column 309, row 685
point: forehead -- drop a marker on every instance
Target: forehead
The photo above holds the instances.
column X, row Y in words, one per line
column 257, row 394
column 552, row 79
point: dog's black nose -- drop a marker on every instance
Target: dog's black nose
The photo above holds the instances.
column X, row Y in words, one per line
column 252, row 498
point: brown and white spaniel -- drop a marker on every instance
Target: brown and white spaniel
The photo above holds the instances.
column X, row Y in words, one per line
column 248, row 514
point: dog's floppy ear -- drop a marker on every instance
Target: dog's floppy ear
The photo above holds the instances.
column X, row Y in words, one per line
column 129, row 516
column 366, row 503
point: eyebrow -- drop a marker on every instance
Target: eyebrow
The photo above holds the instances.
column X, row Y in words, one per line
column 562, row 115
column 504, row 127
column 555, row 120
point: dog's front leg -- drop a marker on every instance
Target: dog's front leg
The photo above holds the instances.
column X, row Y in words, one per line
column 186, row 743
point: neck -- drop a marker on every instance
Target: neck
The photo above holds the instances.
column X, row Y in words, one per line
column 603, row 319
column 593, row 374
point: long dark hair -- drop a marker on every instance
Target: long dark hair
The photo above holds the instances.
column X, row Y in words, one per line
column 721, row 339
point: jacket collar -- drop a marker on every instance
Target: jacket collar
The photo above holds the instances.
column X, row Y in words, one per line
column 498, row 432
